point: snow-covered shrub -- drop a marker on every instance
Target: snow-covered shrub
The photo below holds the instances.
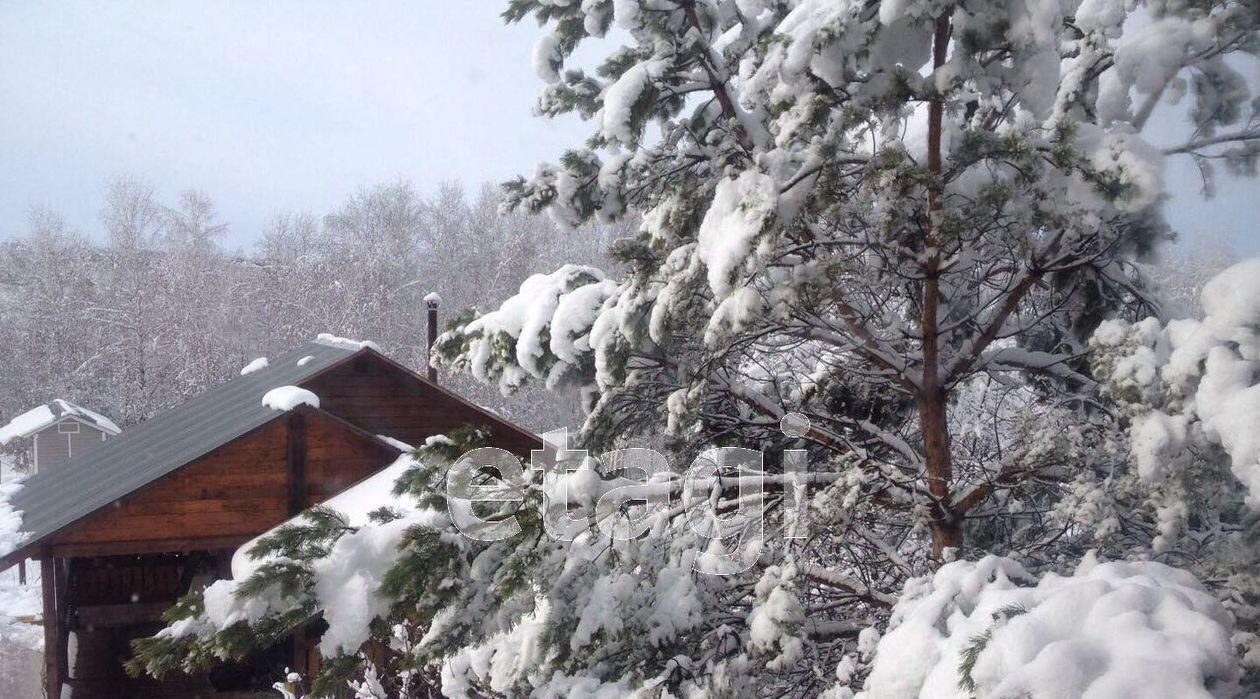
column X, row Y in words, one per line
column 991, row 630
column 11, row 534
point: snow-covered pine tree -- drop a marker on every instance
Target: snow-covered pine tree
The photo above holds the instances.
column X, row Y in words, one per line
column 853, row 209
column 902, row 219
column 899, row 219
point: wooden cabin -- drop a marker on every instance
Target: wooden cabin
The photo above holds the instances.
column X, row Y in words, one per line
column 124, row 530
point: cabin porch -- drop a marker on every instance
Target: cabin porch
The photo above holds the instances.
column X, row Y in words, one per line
column 101, row 603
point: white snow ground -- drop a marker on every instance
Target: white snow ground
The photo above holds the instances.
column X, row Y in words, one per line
column 21, row 636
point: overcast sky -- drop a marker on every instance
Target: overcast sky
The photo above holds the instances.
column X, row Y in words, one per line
column 291, row 106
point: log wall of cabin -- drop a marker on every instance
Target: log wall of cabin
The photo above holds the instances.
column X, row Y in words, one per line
column 236, row 492
column 384, row 399
column 238, row 489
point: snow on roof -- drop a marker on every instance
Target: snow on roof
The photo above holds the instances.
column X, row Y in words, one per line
column 395, row 443
column 370, row 494
column 256, row 365
column 36, row 419
column 346, row 343
column 289, row 397
column 11, row 534
column 27, row 424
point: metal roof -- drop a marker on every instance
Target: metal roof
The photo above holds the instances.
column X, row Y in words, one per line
column 141, row 454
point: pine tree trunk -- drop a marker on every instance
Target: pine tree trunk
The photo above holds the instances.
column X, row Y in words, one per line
column 933, row 400
column 946, row 530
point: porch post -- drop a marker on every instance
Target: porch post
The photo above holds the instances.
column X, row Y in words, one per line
column 52, row 625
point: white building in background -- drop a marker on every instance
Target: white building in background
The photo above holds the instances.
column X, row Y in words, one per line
column 57, row 431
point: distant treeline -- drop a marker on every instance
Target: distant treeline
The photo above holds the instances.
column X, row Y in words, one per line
column 150, row 310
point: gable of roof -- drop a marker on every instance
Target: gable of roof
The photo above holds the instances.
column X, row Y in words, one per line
column 452, row 409
column 44, row 416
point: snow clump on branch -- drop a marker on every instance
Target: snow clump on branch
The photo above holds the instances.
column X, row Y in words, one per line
column 990, row 629
column 1194, row 380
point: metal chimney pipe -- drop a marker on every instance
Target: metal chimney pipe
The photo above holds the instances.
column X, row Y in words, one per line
column 432, row 301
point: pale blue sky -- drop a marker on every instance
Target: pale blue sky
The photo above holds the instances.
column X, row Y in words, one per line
column 266, row 106
column 282, row 106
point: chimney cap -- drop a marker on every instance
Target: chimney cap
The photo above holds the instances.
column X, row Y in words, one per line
column 432, row 300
